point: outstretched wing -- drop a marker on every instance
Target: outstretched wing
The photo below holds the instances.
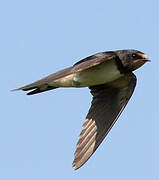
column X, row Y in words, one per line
column 44, row 83
column 108, row 102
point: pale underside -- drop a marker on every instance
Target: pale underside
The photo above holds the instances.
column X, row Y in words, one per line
column 100, row 74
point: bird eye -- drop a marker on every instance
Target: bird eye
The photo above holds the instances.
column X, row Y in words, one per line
column 134, row 55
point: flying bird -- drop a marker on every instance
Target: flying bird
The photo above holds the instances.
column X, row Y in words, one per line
column 111, row 81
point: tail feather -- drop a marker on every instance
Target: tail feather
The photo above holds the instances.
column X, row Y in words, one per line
column 38, row 90
column 35, row 89
column 43, row 84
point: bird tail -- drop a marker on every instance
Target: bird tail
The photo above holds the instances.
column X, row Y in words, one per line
column 35, row 89
column 46, row 83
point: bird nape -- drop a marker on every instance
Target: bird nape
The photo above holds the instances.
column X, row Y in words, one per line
column 110, row 78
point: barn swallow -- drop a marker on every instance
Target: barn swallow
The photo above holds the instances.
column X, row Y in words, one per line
column 109, row 77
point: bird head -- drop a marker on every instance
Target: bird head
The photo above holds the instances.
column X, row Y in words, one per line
column 132, row 59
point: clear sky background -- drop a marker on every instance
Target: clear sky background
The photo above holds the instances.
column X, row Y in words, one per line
column 38, row 134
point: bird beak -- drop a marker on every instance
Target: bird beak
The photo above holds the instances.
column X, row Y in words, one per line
column 143, row 57
column 146, row 60
column 139, row 62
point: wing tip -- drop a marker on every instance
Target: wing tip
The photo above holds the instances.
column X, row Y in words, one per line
column 17, row 89
column 24, row 88
column 35, row 89
column 75, row 166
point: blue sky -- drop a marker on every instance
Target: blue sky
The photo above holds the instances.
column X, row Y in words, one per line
column 38, row 134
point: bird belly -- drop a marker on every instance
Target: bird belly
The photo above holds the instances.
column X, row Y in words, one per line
column 101, row 74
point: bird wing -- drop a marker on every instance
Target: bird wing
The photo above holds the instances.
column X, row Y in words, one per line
column 108, row 102
column 94, row 60
column 43, row 84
